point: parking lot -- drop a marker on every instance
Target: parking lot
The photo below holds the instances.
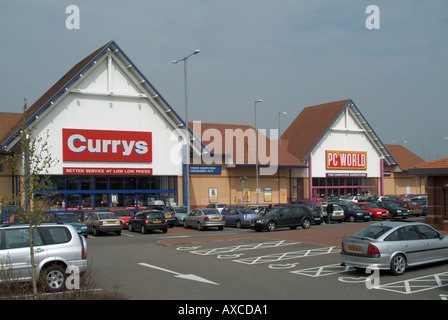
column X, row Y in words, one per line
column 240, row 264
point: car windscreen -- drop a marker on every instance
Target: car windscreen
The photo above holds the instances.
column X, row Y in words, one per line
column 180, row 210
column 207, row 211
column 374, row 231
column 247, row 211
column 123, row 213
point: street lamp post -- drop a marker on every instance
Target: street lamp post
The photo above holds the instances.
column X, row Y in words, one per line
column 279, row 134
column 187, row 175
column 256, row 146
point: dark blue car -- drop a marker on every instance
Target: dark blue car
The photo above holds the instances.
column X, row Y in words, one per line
column 352, row 212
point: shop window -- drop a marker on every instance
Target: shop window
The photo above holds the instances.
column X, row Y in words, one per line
column 130, row 200
column 73, row 201
column 143, row 183
column 72, row 182
column 87, row 183
column 116, row 183
column 101, row 183
column 130, row 183
column 57, row 183
column 116, row 200
column 87, row 201
column 156, row 183
column 143, row 199
column 101, row 200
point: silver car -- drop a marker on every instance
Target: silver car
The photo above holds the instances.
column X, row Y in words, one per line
column 98, row 222
column 204, row 218
column 394, row 246
column 56, row 246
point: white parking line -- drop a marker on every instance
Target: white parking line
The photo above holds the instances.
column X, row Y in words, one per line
column 323, row 270
column 244, row 247
column 288, row 255
column 419, row 284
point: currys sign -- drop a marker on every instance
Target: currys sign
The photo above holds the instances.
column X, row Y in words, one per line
column 106, row 145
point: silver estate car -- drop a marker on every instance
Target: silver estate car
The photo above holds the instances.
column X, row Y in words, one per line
column 394, row 246
column 204, row 218
column 56, row 246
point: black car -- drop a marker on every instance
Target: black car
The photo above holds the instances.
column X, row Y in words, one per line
column 148, row 220
column 394, row 209
column 353, row 213
column 281, row 217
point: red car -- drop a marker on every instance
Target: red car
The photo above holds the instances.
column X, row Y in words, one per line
column 375, row 212
column 124, row 215
column 412, row 206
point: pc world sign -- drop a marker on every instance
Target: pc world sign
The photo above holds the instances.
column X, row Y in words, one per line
column 106, row 145
column 349, row 160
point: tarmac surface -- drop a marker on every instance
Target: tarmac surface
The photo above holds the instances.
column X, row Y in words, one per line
column 322, row 234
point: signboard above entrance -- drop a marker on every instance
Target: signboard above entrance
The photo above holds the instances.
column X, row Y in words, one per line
column 348, row 160
column 106, row 145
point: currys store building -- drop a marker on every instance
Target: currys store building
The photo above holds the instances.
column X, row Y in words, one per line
column 111, row 133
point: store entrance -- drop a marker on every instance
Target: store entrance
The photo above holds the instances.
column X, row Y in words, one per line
column 336, row 187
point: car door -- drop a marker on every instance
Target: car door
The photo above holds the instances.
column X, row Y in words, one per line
column 90, row 221
column 16, row 255
column 435, row 244
column 412, row 244
column 231, row 217
column 284, row 218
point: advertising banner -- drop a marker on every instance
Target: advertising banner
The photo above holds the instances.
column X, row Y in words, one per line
column 352, row 160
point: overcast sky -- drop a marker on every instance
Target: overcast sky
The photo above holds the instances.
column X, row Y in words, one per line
column 290, row 53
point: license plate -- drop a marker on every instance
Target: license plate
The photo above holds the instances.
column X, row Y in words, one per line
column 111, row 222
column 355, row 249
column 156, row 221
column 167, row 216
column 216, row 218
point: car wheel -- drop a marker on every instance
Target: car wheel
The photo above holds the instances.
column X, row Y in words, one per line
column 271, row 226
column 398, row 264
column 351, row 218
column 95, row 232
column 306, row 223
column 185, row 224
column 53, row 278
column 143, row 230
column 238, row 224
column 199, row 226
column 130, row 228
column 165, row 230
column 118, row 233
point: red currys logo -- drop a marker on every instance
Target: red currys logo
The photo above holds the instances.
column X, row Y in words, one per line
column 106, row 145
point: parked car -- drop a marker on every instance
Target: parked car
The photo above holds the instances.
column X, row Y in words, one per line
column 72, row 219
column 396, row 212
column 217, row 206
column 353, row 213
column 7, row 211
column 337, row 215
column 394, row 246
column 375, row 212
column 170, row 217
column 204, row 218
column 179, row 213
column 99, row 222
column 283, row 217
column 124, row 215
column 413, row 207
column 61, row 243
column 258, row 209
column 148, row 220
column 83, row 214
column 238, row 216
